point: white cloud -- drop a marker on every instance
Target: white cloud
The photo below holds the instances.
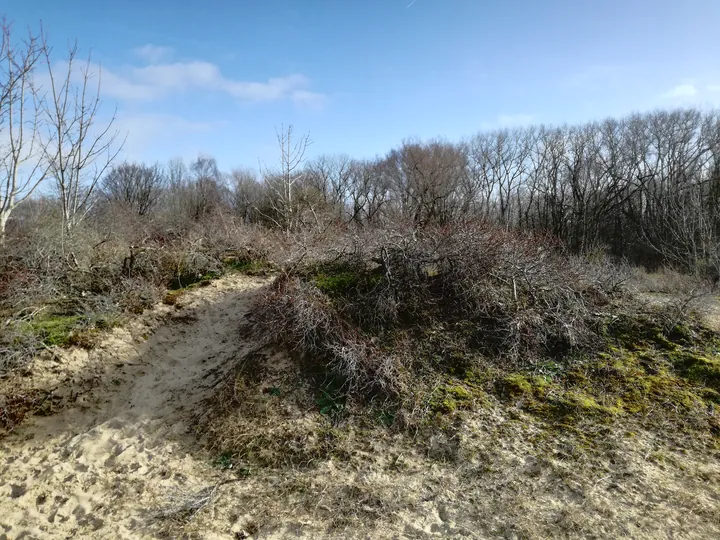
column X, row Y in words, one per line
column 686, row 90
column 160, row 80
column 153, row 53
column 713, row 88
column 119, row 87
column 593, row 76
column 311, row 100
column 508, row 120
column 274, row 89
column 145, row 131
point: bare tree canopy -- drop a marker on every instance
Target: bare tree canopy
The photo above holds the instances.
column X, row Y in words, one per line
column 79, row 145
column 21, row 166
column 135, row 185
column 284, row 180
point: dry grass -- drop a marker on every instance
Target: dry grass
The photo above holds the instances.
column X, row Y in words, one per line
column 494, row 471
column 437, row 391
column 421, row 324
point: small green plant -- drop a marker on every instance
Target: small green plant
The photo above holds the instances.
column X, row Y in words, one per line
column 336, row 284
column 331, row 400
column 224, row 461
column 55, row 330
column 248, row 266
column 386, row 418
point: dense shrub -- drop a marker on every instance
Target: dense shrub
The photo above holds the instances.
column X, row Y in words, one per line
column 429, row 322
column 456, row 291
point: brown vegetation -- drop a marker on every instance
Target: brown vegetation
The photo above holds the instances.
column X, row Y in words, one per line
column 539, row 282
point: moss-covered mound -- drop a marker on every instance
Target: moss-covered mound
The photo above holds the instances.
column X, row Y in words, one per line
column 437, row 326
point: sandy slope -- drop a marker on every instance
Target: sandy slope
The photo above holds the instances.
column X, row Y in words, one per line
column 106, row 467
column 121, row 462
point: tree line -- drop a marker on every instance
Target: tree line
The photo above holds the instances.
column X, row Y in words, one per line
column 51, row 126
column 645, row 187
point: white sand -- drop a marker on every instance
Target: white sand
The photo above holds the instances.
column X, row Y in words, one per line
column 102, row 467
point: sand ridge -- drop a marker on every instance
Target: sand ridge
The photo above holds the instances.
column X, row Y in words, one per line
column 104, row 467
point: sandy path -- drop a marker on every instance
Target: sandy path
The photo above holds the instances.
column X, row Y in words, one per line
column 106, row 467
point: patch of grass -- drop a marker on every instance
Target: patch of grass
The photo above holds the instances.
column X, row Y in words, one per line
column 172, row 297
column 224, row 461
column 341, row 281
column 331, row 398
column 450, row 397
column 55, row 330
column 186, row 281
column 520, row 384
column 71, row 330
column 387, row 418
column 250, row 267
column 574, row 402
column 699, row 368
column 336, row 284
column 635, row 331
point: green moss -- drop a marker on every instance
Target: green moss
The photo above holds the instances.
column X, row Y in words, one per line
column 70, row 330
column 637, row 332
column 649, row 378
column 574, row 401
column 458, row 392
column 452, row 396
column 446, row 405
column 247, row 266
column 518, row 384
column 342, row 280
column 703, row 369
column 55, row 330
column 474, row 377
column 336, row 284
column 711, row 395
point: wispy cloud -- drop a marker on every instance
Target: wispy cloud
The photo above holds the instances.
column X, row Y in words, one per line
column 508, row 120
column 144, row 130
column 685, row 90
column 691, row 93
column 160, row 80
column 153, row 53
column 599, row 75
column 310, row 100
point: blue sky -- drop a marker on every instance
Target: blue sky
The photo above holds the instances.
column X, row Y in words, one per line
column 217, row 77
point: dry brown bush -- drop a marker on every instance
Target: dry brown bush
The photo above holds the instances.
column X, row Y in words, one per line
column 381, row 307
column 309, row 323
column 115, row 262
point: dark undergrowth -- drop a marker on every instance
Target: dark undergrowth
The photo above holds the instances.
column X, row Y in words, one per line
column 416, row 329
column 58, row 292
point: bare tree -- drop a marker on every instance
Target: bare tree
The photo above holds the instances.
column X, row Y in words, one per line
column 427, row 180
column 370, row 191
column 207, row 189
column 21, row 167
column 247, row 193
column 135, row 185
column 329, row 178
column 283, row 181
column 80, row 146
